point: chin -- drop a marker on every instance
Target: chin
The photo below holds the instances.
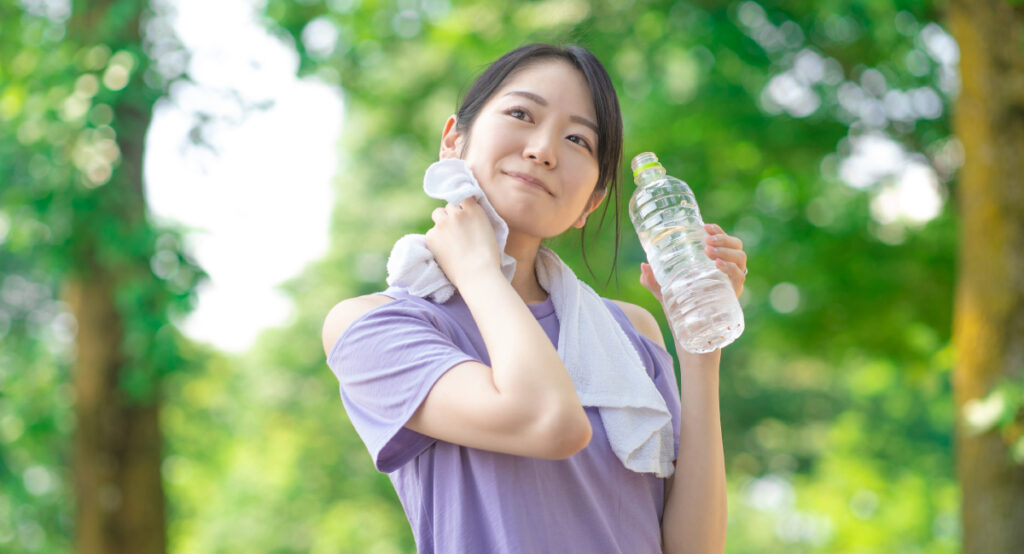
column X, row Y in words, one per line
column 528, row 225
column 525, row 217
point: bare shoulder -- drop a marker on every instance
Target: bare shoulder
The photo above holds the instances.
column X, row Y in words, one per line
column 345, row 312
column 643, row 321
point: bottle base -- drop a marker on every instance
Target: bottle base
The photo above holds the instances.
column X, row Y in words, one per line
column 711, row 342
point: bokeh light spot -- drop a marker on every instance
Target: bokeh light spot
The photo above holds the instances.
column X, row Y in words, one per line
column 784, row 297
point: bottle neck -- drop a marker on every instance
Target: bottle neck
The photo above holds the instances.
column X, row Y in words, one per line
column 649, row 175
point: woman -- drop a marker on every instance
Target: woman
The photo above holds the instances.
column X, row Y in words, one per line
column 468, row 405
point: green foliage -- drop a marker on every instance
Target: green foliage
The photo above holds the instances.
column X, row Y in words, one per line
column 35, row 425
column 1002, row 410
column 75, row 97
column 836, row 402
column 836, row 410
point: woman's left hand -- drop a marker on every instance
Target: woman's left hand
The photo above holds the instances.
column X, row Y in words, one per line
column 727, row 253
column 723, row 249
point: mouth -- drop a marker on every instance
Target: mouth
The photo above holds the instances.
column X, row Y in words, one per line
column 528, row 180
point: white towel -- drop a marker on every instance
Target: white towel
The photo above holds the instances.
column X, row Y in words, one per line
column 411, row 265
column 602, row 362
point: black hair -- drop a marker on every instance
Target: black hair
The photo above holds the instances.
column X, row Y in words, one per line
column 606, row 107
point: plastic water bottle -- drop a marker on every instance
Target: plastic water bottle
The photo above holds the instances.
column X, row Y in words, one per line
column 698, row 298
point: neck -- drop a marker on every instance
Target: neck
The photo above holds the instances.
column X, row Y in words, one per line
column 524, row 250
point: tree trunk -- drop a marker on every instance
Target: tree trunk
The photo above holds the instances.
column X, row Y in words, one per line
column 988, row 326
column 117, row 447
column 118, row 491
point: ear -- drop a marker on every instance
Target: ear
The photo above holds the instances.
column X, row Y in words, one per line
column 592, row 204
column 451, row 140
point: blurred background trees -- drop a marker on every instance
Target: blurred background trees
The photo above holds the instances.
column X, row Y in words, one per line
column 989, row 326
column 820, row 134
column 86, row 306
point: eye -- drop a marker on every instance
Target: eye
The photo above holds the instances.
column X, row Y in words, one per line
column 581, row 141
column 518, row 113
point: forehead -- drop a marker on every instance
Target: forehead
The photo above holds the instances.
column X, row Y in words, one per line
column 557, row 81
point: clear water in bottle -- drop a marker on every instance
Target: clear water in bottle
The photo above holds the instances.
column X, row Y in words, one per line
column 698, row 298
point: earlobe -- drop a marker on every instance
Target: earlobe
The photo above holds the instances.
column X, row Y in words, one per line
column 449, row 140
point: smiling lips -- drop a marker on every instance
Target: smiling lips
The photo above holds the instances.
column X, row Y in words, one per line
column 529, row 180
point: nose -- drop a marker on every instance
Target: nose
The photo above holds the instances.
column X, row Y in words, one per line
column 540, row 150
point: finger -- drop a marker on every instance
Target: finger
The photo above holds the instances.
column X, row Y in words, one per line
column 737, row 257
column 731, row 268
column 469, row 205
column 735, row 274
column 713, row 228
column 646, row 272
column 725, row 240
column 648, row 280
column 438, row 214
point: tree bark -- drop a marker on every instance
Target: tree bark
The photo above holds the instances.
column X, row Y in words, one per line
column 119, row 497
column 988, row 328
column 117, row 446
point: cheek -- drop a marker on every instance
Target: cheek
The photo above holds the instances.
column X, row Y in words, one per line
column 587, row 174
column 482, row 159
column 480, row 172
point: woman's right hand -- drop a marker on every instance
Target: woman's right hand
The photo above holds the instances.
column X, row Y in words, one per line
column 462, row 241
column 649, row 281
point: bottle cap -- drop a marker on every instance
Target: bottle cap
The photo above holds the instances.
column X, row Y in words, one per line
column 644, row 161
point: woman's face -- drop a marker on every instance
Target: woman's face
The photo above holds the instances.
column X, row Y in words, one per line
column 533, row 148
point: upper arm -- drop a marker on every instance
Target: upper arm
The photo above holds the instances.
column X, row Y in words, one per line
column 643, row 321
column 669, row 482
column 460, row 403
column 344, row 313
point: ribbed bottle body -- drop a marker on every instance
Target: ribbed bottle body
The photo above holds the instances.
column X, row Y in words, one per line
column 698, row 298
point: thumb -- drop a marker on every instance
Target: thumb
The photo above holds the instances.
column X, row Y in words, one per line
column 647, row 278
column 649, row 281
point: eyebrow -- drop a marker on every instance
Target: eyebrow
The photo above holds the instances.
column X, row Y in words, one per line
column 540, row 100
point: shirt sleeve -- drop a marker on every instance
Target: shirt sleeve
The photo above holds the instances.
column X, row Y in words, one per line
column 386, row 363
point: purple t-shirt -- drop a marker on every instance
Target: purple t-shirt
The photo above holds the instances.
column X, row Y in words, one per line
column 461, row 499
